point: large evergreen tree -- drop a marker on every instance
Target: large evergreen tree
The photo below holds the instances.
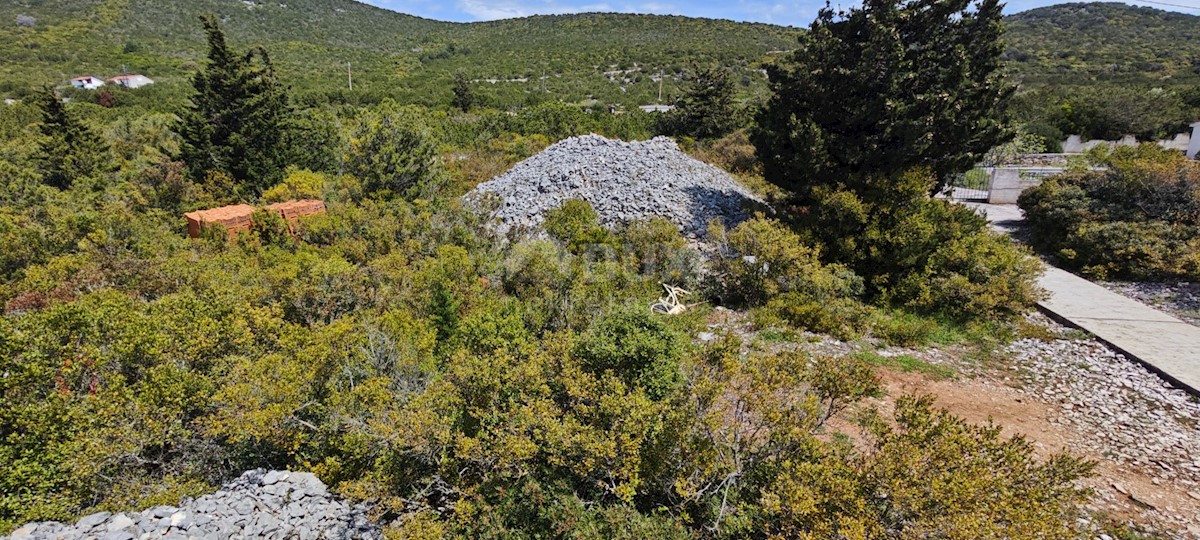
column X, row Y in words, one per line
column 69, row 150
column 893, row 86
column 236, row 120
column 706, row 109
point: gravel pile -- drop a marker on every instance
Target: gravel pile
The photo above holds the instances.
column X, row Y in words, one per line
column 623, row 181
column 259, row 504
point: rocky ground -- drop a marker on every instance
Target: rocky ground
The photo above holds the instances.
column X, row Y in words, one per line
column 623, row 181
column 259, row 504
column 1179, row 299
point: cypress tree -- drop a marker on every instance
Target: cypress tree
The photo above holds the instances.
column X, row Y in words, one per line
column 69, row 150
column 236, row 121
column 893, row 86
column 463, row 98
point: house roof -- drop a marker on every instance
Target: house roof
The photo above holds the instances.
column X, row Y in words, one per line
column 85, row 78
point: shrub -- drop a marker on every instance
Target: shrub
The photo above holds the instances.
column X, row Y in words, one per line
column 1137, row 220
column 297, row 184
column 635, row 346
column 923, row 253
column 577, row 225
column 974, row 484
column 761, row 259
column 660, row 252
column 393, row 152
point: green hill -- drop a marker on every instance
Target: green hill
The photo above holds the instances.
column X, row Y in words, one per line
column 1103, row 42
column 407, row 57
column 610, row 58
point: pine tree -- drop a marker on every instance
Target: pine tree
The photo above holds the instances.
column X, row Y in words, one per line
column 463, row 98
column 893, row 86
column 69, row 149
column 236, row 121
column 706, row 110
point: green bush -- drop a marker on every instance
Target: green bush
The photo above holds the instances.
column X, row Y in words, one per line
column 577, row 225
column 394, row 153
column 635, row 346
column 761, row 259
column 1137, row 220
column 926, row 254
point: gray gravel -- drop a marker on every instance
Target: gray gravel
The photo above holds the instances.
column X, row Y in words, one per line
column 1135, row 419
column 623, row 181
column 259, row 504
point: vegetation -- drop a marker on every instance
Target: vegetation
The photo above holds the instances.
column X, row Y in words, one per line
column 68, row 149
column 468, row 387
column 861, row 139
column 855, row 102
column 1139, row 219
column 234, row 126
column 706, row 109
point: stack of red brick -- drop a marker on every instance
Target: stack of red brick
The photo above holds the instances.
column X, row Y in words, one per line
column 292, row 211
column 238, row 217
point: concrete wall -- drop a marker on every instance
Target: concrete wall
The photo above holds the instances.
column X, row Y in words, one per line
column 1007, row 183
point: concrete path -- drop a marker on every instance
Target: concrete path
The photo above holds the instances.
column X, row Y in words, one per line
column 1163, row 343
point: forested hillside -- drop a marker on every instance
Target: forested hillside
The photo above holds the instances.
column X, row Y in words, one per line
column 390, row 54
column 1107, row 42
column 609, row 58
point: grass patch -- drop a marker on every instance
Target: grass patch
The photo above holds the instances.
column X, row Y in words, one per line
column 907, row 364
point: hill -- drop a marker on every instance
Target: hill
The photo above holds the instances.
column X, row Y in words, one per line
column 608, row 57
column 605, row 58
column 1103, row 42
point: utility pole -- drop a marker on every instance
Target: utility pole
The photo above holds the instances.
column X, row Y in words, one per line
column 349, row 77
column 660, row 85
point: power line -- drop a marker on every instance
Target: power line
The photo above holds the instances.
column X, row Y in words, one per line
column 1168, row 4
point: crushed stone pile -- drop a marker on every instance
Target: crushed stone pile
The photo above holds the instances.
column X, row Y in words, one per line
column 259, row 504
column 623, row 181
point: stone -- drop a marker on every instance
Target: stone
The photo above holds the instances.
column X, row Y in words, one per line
column 24, row 532
column 87, row 522
column 275, row 476
column 121, row 522
column 118, row 535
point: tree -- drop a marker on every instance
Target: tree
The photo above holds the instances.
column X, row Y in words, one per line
column 393, row 153
column 236, row 121
column 706, row 110
column 463, row 98
column 883, row 89
column 69, row 149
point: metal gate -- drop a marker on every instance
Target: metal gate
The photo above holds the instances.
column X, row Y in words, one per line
column 974, row 185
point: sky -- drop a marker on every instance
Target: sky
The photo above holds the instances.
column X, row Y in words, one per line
column 783, row 12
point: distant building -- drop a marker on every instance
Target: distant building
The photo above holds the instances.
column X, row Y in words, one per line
column 1194, row 143
column 657, row 108
column 131, row 81
column 87, row 83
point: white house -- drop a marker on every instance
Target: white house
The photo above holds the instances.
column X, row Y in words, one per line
column 1194, row 144
column 87, row 83
column 131, row 81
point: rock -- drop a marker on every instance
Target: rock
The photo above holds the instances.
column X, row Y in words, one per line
column 118, row 535
column 242, row 508
column 93, row 520
column 24, row 532
column 275, row 476
column 120, row 523
column 706, row 336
